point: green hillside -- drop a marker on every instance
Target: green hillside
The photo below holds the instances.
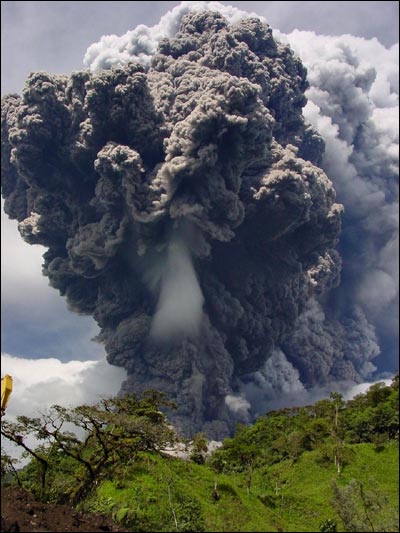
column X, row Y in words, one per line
column 144, row 495
column 331, row 466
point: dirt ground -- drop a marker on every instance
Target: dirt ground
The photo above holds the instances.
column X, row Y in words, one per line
column 21, row 512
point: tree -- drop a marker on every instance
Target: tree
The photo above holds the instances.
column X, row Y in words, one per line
column 18, row 432
column 8, row 467
column 281, row 478
column 377, row 393
column 337, row 429
column 114, row 430
column 395, row 382
column 363, row 508
column 199, row 448
column 373, row 414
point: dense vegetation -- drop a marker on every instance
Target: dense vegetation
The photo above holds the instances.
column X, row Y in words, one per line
column 331, row 466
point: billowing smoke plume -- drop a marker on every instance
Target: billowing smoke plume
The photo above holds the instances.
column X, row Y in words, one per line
column 180, row 197
column 353, row 101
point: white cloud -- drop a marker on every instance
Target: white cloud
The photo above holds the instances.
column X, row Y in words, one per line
column 142, row 42
column 40, row 383
column 361, row 388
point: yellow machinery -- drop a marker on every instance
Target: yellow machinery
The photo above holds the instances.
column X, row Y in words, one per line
column 6, row 388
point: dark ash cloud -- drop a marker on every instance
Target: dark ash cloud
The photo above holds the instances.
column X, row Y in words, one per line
column 183, row 207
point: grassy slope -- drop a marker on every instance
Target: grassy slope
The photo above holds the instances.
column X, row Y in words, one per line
column 139, row 495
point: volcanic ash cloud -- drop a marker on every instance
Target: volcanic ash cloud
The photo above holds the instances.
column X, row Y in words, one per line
column 197, row 172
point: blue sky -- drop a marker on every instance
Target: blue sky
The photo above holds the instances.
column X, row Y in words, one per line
column 54, row 36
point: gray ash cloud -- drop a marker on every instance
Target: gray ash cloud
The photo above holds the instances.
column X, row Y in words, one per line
column 353, row 102
column 183, row 207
